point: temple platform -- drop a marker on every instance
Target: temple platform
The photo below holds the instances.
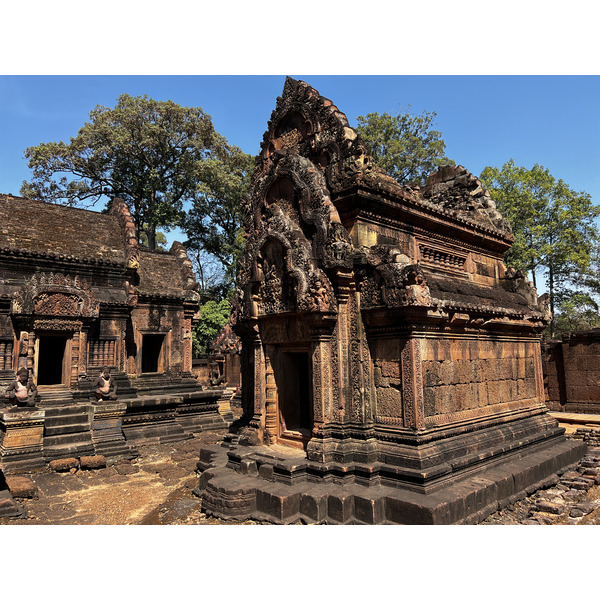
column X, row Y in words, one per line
column 278, row 485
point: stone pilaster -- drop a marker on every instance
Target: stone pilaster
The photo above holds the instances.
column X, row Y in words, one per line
column 412, row 384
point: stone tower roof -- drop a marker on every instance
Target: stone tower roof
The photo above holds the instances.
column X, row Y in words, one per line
column 308, row 124
column 72, row 235
column 40, row 227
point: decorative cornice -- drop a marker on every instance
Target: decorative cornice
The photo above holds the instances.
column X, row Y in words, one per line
column 19, row 253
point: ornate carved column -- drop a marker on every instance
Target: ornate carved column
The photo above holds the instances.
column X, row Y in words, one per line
column 83, row 350
column 30, row 351
column 342, row 364
column 187, row 344
column 271, row 408
column 253, row 390
column 74, row 376
column 321, row 333
column 412, row 384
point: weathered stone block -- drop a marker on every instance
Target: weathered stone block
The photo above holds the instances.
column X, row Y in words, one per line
column 432, row 371
column 390, row 368
column 389, row 402
column 93, row 462
column 61, row 465
column 429, row 397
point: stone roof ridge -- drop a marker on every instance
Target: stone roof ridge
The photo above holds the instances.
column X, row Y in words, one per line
column 187, row 271
column 456, row 190
column 46, row 203
column 120, row 209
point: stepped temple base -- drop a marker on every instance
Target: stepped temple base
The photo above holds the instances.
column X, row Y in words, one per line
column 279, row 485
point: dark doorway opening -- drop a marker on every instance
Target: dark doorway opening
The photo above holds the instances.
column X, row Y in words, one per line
column 293, row 376
column 151, row 352
column 51, row 359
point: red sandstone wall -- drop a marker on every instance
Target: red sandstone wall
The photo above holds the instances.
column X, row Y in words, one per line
column 462, row 378
column 573, row 373
column 554, row 376
column 476, row 375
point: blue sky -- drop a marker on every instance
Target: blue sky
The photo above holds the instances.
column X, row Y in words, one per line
column 485, row 120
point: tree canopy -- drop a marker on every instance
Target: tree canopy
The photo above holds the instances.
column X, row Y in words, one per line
column 405, row 145
column 555, row 231
column 156, row 155
column 213, row 223
column 213, row 316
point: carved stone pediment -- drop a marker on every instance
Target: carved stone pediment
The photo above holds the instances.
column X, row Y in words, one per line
column 390, row 280
column 56, row 295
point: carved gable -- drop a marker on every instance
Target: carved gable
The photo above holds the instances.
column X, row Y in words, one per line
column 54, row 294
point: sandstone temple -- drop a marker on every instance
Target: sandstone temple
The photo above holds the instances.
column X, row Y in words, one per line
column 77, row 293
column 391, row 363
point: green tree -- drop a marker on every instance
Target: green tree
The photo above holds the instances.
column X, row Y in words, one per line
column 579, row 310
column 213, row 223
column 213, row 316
column 404, row 145
column 523, row 196
column 148, row 152
column 160, row 240
column 554, row 227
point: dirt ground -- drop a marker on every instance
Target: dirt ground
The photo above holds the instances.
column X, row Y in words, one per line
column 153, row 489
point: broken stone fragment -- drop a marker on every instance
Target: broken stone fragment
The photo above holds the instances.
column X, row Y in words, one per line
column 93, row 462
column 550, row 507
column 61, row 465
column 581, row 509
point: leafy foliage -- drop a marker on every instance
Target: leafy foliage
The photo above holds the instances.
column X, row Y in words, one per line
column 145, row 151
column 555, row 231
column 213, row 224
column 213, row 316
column 578, row 311
column 404, row 145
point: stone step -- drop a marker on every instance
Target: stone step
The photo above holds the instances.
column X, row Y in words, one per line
column 66, row 429
column 68, row 451
column 53, row 412
column 68, row 439
column 68, row 419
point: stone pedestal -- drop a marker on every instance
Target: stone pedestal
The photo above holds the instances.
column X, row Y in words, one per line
column 21, row 440
column 68, row 432
column 280, row 487
column 107, row 431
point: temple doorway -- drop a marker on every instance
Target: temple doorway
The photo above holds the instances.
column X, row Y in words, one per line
column 152, row 355
column 51, row 363
column 293, row 375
